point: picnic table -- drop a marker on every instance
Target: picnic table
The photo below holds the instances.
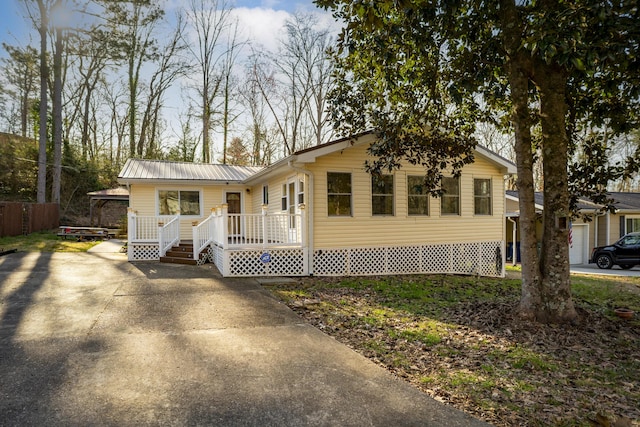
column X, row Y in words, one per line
column 84, row 233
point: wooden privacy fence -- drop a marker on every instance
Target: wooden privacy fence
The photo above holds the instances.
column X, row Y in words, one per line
column 18, row 218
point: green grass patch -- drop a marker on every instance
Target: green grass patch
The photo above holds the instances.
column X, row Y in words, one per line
column 45, row 241
column 605, row 293
column 459, row 338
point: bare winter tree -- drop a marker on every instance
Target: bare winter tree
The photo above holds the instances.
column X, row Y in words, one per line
column 92, row 58
column 211, row 21
column 255, row 104
column 134, row 23
column 229, row 115
column 114, row 96
column 20, row 72
column 295, row 81
column 168, row 69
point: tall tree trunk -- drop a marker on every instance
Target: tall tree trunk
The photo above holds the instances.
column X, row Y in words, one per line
column 133, row 111
column 546, row 287
column 557, row 304
column 519, row 72
column 57, row 114
column 44, row 77
column 206, row 125
column 225, row 120
column 531, row 297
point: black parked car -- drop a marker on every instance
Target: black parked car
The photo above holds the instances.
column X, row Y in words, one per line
column 625, row 253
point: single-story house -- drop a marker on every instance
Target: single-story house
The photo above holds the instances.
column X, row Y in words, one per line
column 318, row 212
column 601, row 229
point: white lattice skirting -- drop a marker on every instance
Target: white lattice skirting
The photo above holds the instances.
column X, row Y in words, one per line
column 474, row 258
column 143, row 251
column 271, row 262
column 481, row 258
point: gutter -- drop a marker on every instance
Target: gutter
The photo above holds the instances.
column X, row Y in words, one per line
column 310, row 213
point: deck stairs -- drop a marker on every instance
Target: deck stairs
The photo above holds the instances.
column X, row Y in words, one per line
column 182, row 254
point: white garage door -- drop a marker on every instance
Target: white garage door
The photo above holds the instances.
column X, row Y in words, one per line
column 576, row 249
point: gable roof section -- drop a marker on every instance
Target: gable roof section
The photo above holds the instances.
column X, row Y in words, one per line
column 626, row 201
column 621, row 200
column 309, row 155
column 136, row 170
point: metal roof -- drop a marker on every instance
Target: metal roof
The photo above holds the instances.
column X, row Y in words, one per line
column 136, row 169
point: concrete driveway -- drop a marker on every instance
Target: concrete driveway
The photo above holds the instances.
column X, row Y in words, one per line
column 91, row 339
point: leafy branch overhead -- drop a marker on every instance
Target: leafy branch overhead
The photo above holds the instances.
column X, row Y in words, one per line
column 564, row 77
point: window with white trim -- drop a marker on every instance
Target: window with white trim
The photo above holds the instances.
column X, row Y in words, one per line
column 300, row 191
column 450, row 199
column 339, row 194
column 482, row 196
column 382, row 194
column 283, row 198
column 417, row 195
column 179, row 202
column 632, row 223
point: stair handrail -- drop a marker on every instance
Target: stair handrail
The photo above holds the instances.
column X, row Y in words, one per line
column 168, row 234
column 203, row 234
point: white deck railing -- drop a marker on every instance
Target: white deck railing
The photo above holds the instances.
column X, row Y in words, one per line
column 145, row 228
column 203, row 235
column 257, row 230
column 168, row 234
column 226, row 230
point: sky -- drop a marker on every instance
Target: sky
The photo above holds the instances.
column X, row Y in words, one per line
column 262, row 18
column 262, row 21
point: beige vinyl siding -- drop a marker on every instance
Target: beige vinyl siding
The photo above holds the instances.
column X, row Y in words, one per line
column 512, row 205
column 363, row 229
column 275, row 191
column 143, row 199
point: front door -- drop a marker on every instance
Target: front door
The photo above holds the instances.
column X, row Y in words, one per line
column 234, row 209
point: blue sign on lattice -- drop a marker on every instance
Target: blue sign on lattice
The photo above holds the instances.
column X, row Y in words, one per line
column 265, row 257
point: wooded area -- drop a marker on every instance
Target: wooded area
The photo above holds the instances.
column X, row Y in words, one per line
column 128, row 79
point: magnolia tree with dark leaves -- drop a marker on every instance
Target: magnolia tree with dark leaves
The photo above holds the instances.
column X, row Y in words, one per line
column 564, row 75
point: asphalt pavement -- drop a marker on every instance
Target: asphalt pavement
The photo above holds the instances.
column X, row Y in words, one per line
column 91, row 339
column 615, row 271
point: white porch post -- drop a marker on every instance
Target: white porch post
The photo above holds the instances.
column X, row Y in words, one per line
column 131, row 232
column 303, row 231
column 212, row 224
column 264, row 226
column 225, row 225
column 195, row 240
column 306, row 254
column 161, row 238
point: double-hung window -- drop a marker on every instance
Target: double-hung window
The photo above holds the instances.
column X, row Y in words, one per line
column 417, row 195
column 179, row 202
column 382, row 194
column 450, row 199
column 482, row 196
column 338, row 194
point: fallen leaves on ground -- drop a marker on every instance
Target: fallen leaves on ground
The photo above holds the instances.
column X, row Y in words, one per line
column 479, row 356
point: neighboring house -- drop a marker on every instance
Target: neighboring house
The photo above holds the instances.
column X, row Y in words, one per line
column 601, row 229
column 319, row 212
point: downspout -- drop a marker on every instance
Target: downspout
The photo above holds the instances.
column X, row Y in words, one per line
column 513, row 239
column 309, row 215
